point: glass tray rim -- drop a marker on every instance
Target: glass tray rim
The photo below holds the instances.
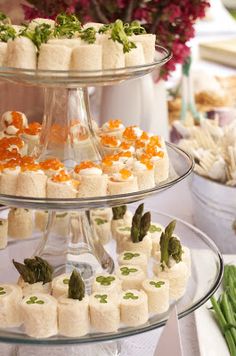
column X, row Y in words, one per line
column 90, row 202
column 166, row 55
column 141, row 329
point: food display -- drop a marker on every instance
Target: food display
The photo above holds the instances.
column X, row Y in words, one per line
column 46, row 305
column 139, row 161
column 65, row 44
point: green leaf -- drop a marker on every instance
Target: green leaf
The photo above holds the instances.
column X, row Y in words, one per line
column 76, row 286
column 157, row 284
column 126, row 228
column 7, row 32
column 105, row 281
column 134, row 28
column 154, row 228
column 40, row 34
column 88, row 35
column 118, row 34
column 130, row 295
column 129, row 255
column 2, row 16
column 66, row 281
column 100, row 221
column 67, row 25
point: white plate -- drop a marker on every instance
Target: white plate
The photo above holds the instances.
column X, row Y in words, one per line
column 210, row 339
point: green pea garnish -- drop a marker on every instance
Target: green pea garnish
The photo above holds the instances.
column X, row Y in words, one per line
column 126, row 228
column 130, row 295
column 157, row 284
column 34, row 300
column 66, row 281
column 125, row 271
column 154, row 228
column 129, row 255
column 105, row 281
column 102, row 298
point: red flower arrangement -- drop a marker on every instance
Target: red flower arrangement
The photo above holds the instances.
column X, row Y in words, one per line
column 172, row 20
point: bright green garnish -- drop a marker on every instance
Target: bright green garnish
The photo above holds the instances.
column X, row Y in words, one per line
column 154, row 228
column 76, row 286
column 67, row 25
column 105, row 281
column 170, row 246
column 105, row 28
column 134, row 28
column 66, row 281
column 126, row 228
column 88, row 35
column 40, row 34
column 34, row 300
column 102, row 298
column 125, row 271
column 7, row 32
column 129, row 255
column 130, row 295
column 100, row 221
column 157, row 284
column 140, row 224
column 2, row 16
column 118, row 34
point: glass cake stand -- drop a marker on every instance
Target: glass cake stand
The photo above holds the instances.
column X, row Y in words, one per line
column 206, row 274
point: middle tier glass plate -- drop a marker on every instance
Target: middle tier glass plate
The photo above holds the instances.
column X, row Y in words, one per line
column 181, row 165
column 206, row 274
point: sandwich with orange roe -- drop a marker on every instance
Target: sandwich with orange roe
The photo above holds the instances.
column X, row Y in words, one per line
column 125, row 146
column 110, row 144
column 51, row 166
column 143, row 169
column 31, row 135
column 132, row 133
column 122, row 182
column 13, row 122
column 160, row 159
column 9, row 176
column 113, row 127
column 11, row 143
column 92, row 180
column 31, row 180
column 112, row 164
column 62, row 185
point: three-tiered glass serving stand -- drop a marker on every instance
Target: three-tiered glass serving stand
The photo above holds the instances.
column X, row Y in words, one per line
column 67, row 101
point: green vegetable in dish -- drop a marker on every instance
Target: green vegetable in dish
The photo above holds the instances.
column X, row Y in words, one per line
column 40, row 34
column 76, row 286
column 170, row 246
column 7, row 32
column 140, row 224
column 119, row 212
column 88, row 35
column 34, row 270
column 67, row 25
column 225, row 308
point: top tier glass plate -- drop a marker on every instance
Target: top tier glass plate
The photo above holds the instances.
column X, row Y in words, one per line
column 75, row 79
column 181, row 165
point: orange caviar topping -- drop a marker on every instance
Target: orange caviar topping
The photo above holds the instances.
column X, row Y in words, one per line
column 139, row 144
column 5, row 154
column 124, row 154
column 125, row 173
column 34, row 128
column 125, row 145
column 148, row 163
column 6, row 142
column 84, row 165
column 107, row 160
column 51, row 163
column 12, row 163
column 152, row 151
column 129, row 133
column 114, row 124
column 154, row 141
column 109, row 141
column 62, row 176
column 144, row 136
column 17, row 120
column 30, row 167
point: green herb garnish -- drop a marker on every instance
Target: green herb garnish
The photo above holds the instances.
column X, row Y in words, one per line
column 34, row 300
column 126, row 228
column 140, row 224
column 2, row 291
column 34, row 270
column 129, row 255
column 118, row 34
column 102, row 298
column 3, row 17
column 170, row 246
column 100, row 221
column 125, row 271
column 66, row 281
column 157, row 284
column 134, row 28
column 67, row 25
column 7, row 32
column 105, row 281
column 88, row 35
column 154, row 228
column 40, row 34
column 119, row 212
column 76, row 286
column 130, row 295
column 105, row 28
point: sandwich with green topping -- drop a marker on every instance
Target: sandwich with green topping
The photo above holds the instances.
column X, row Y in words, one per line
column 133, row 307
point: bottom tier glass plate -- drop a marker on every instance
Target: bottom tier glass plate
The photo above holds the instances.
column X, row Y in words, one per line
column 206, row 274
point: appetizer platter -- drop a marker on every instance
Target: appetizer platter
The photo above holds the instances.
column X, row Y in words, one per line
column 187, row 286
column 61, row 177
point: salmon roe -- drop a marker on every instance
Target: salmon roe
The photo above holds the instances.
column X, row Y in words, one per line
column 155, row 141
column 114, row 124
column 107, row 160
column 17, row 120
column 62, row 176
column 6, row 142
column 144, row 136
column 34, row 128
column 139, row 144
column 148, row 163
column 129, row 133
column 84, row 165
column 125, row 173
column 152, row 150
column 124, row 154
column 51, row 163
column 125, row 146
column 109, row 141
column 6, row 154
column 12, row 163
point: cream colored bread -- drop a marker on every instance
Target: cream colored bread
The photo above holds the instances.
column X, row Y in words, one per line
column 128, row 186
column 20, row 223
column 104, row 213
column 54, row 57
column 107, row 284
column 31, row 184
column 73, row 316
column 148, row 43
column 131, row 276
column 60, row 285
column 135, row 57
column 104, row 312
column 39, row 314
column 157, row 291
column 92, row 185
column 130, row 258
column 161, row 169
column 186, row 257
column 155, row 232
column 145, row 179
column 112, row 53
column 10, row 297
column 3, row 233
column 127, row 220
column 60, row 190
column 3, row 53
column 87, row 57
column 144, row 246
column 40, row 219
column 68, row 42
column 134, row 307
column 8, row 181
column 37, row 287
column 21, row 53
column 102, row 229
